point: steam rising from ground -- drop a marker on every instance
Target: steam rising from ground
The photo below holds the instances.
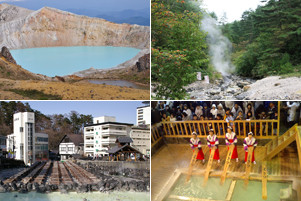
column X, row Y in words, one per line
column 219, row 46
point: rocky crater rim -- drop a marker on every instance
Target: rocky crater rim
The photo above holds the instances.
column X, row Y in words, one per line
column 141, row 49
column 47, row 8
column 126, row 64
column 50, row 27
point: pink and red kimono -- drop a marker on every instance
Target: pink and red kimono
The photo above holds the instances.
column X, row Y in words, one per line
column 213, row 141
column 249, row 143
column 232, row 139
column 197, row 143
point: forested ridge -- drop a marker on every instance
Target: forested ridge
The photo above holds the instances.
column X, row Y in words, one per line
column 267, row 41
column 56, row 126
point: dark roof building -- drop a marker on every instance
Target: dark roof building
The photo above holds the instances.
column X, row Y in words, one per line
column 124, row 140
column 123, row 150
column 71, row 145
column 77, row 139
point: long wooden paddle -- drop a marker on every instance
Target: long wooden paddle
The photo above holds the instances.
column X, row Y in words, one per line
column 264, row 180
column 209, row 165
column 264, row 171
column 227, row 163
column 192, row 162
column 248, row 165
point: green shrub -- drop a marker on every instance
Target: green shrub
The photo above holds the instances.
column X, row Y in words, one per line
column 172, row 70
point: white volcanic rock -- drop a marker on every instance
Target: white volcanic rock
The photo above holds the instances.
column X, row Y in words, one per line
column 9, row 13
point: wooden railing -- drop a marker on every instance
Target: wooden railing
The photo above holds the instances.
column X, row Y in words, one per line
column 156, row 134
column 262, row 129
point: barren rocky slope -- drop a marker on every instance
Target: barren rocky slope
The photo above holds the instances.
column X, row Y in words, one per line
column 50, row 27
column 274, row 87
column 9, row 68
column 9, row 12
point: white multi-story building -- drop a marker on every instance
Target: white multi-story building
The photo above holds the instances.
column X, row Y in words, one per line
column 141, row 139
column 71, row 145
column 102, row 134
column 24, row 143
column 144, row 116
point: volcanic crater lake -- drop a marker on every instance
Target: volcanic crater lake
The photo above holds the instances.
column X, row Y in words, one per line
column 52, row 61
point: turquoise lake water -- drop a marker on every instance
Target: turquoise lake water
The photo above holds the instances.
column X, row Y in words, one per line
column 95, row 196
column 52, row 61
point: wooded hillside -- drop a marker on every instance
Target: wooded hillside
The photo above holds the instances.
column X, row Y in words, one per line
column 267, row 41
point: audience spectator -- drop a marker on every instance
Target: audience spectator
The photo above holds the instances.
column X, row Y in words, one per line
column 185, row 116
column 213, row 111
column 249, row 108
column 227, row 113
column 263, row 116
column 272, row 111
column 161, row 106
column 273, row 114
column 172, row 117
column 167, row 110
column 165, row 117
column 230, row 119
column 220, row 110
column 250, row 116
column 240, row 116
column 235, row 110
column 195, row 117
column 219, row 125
column 292, row 109
column 206, row 110
column 199, row 111
column 187, row 111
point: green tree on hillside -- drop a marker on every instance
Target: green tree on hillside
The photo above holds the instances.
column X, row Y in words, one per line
column 268, row 40
column 179, row 47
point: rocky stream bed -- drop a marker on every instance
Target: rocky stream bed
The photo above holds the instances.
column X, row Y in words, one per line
column 233, row 87
column 228, row 87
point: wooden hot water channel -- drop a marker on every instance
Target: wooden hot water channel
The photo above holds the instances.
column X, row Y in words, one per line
column 54, row 173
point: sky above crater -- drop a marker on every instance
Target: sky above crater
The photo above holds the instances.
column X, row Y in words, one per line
column 233, row 8
column 102, row 5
